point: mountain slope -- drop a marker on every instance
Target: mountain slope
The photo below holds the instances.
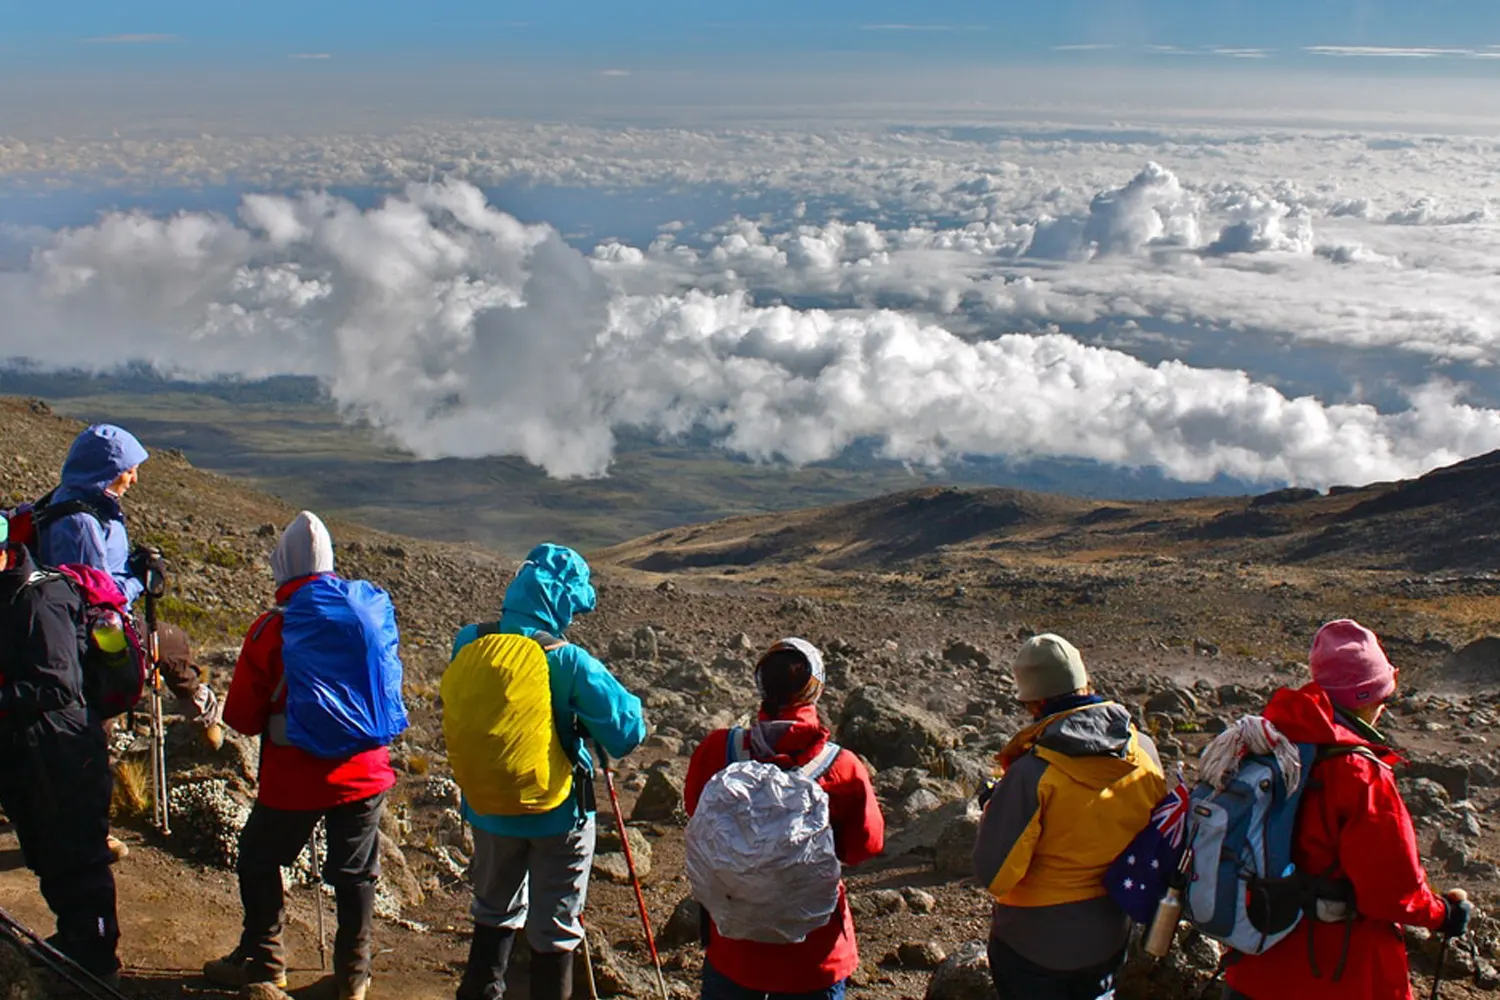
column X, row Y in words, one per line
column 1447, row 520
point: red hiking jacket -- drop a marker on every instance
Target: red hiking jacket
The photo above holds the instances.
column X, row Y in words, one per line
column 830, row 954
column 291, row 778
column 1352, row 820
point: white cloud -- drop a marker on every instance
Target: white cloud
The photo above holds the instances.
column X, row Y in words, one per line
column 614, row 72
column 462, row 331
column 310, row 55
column 923, row 27
column 1241, row 53
column 1387, row 52
column 132, row 39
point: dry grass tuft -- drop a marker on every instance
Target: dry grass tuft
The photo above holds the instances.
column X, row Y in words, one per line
column 132, row 794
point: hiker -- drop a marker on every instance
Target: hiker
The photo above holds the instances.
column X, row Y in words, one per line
column 531, row 804
column 82, row 523
column 789, row 734
column 55, row 785
column 319, row 680
column 1078, row 785
column 1352, row 829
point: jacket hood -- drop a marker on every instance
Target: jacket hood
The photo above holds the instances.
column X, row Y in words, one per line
column 1306, row 715
column 305, row 549
column 551, row 588
column 1095, row 745
column 98, row 456
column 790, row 738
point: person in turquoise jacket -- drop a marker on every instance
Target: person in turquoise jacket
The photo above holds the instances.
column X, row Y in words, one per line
column 532, row 872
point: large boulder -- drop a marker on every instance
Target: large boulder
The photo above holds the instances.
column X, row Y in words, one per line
column 953, row 855
column 890, row 733
column 922, row 836
column 963, row 975
column 684, row 926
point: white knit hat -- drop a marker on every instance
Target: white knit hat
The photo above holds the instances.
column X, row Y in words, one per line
column 1048, row 666
column 305, row 549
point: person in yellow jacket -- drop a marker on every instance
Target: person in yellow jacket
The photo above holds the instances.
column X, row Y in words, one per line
column 1078, row 785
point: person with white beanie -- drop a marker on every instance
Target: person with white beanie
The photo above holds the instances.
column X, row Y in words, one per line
column 318, row 645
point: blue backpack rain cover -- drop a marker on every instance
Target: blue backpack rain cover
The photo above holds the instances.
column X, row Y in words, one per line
column 340, row 651
column 1245, row 891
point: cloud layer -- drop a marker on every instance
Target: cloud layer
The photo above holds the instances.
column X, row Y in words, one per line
column 462, row 331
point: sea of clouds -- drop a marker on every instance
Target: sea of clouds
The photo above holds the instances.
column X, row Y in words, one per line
column 1314, row 307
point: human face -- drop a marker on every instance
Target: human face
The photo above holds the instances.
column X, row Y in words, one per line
column 124, row 481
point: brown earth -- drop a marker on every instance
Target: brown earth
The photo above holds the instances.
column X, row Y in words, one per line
column 1190, row 596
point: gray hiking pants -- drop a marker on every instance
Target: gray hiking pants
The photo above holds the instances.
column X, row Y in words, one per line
column 540, row 884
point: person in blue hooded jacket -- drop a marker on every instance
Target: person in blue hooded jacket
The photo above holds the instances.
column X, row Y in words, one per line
column 82, row 523
column 543, row 860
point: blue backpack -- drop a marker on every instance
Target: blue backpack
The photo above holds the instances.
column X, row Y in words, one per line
column 342, row 669
column 1244, row 890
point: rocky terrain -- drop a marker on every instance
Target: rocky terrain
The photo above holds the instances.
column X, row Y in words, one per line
column 1190, row 612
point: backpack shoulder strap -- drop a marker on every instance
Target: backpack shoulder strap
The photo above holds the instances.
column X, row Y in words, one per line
column 548, row 641
column 819, row 765
column 265, row 623
column 737, row 748
column 44, row 512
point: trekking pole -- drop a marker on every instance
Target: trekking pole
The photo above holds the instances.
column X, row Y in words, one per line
column 588, row 966
column 1458, row 896
column 318, row 896
column 156, row 586
column 61, row 965
column 640, row 898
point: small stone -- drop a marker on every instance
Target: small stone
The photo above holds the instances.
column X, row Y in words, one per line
column 963, row 653
column 1453, row 777
column 660, row 799
column 920, row 955
column 610, row 859
column 684, row 926
column 1173, row 702
column 919, row 901
column 963, row 975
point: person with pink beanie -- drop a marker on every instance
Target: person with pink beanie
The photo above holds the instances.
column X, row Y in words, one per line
column 1352, row 828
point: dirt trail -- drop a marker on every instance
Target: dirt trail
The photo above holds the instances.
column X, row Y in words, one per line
column 174, row 917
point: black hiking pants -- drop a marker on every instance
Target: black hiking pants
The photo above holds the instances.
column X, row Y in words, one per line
column 271, row 840
column 55, row 786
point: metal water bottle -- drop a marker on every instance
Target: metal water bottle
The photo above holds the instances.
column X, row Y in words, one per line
column 1163, row 929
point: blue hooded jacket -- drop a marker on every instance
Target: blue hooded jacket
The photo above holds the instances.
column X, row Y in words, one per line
column 549, row 590
column 97, row 458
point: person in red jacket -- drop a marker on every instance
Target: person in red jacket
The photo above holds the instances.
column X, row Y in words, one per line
column 296, row 790
column 1353, row 825
column 789, row 734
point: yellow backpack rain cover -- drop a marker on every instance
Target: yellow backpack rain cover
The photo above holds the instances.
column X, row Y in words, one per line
column 503, row 743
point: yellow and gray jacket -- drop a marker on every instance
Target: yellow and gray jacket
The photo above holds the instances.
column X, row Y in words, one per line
column 1081, row 785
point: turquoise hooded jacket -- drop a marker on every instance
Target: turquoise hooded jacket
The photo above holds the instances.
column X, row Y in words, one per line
column 549, row 591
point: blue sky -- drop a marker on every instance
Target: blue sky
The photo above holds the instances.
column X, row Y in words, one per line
column 105, row 34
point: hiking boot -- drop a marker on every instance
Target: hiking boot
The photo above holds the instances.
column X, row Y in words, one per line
column 489, row 956
column 118, row 849
column 551, row 975
column 235, row 970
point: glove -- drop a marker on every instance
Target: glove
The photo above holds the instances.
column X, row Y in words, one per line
column 1456, row 923
column 986, row 791
column 146, row 561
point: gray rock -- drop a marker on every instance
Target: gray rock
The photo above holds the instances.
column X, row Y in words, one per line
column 613, row 975
column 920, row 955
column 1424, row 797
column 609, row 859
column 963, row 975
column 1453, row 777
column 891, row 733
column 876, row 902
column 953, row 855
column 919, row 803
column 922, row 835
column 398, row 886
column 1452, row 850
column 918, row 901
column 965, row 653
column 683, row 927
column 1176, row 702
column 645, row 643
column 660, row 800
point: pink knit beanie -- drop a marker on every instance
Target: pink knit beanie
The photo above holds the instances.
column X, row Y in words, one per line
column 1348, row 663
